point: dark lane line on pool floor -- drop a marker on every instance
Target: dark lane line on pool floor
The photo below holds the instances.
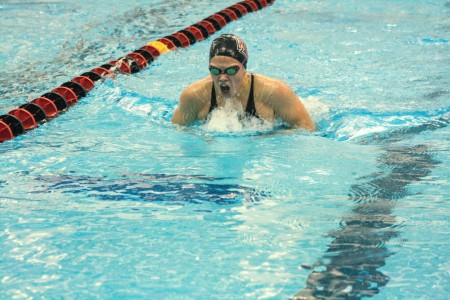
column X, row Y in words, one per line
column 349, row 267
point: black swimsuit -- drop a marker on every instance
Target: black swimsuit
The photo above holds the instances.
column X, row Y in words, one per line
column 250, row 110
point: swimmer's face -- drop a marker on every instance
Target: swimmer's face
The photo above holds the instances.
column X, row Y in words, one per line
column 226, row 83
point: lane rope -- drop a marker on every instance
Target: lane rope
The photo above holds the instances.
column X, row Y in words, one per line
column 51, row 104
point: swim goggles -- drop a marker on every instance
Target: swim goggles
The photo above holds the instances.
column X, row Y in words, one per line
column 229, row 71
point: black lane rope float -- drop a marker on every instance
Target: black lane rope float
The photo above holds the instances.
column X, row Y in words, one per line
column 48, row 106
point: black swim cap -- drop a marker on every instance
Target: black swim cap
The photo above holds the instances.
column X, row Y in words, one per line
column 229, row 45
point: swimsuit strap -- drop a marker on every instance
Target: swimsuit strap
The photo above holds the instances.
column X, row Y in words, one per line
column 213, row 99
column 250, row 109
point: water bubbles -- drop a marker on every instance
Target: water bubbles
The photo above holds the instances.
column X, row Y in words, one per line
column 228, row 119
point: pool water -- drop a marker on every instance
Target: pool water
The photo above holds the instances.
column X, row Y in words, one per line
column 112, row 201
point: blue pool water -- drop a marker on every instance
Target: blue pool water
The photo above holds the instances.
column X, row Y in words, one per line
column 111, row 201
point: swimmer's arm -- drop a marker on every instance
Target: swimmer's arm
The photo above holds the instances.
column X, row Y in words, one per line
column 290, row 109
column 188, row 108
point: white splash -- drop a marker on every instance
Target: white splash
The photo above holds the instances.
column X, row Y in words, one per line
column 231, row 118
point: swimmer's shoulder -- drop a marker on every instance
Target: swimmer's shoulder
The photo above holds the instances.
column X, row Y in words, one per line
column 194, row 103
column 267, row 81
column 268, row 87
column 199, row 90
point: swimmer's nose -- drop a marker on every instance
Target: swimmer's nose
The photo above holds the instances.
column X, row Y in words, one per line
column 223, row 77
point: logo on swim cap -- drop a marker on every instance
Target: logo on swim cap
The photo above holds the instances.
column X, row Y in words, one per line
column 229, row 45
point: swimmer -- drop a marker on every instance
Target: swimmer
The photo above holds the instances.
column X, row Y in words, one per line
column 229, row 84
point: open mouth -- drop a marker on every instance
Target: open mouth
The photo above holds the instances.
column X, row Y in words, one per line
column 225, row 88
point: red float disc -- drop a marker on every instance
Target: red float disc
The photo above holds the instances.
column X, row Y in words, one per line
column 85, row 82
column 25, row 117
column 67, row 94
column 5, row 132
column 47, row 105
